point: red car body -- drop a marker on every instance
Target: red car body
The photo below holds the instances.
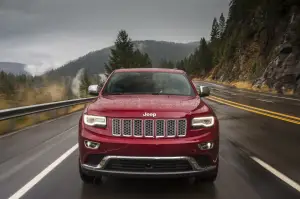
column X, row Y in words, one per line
column 151, row 156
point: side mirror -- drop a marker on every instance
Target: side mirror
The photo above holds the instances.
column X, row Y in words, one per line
column 93, row 90
column 203, row 91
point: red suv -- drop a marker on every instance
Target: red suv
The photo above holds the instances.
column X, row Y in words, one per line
column 148, row 122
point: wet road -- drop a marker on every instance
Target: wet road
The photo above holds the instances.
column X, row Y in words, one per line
column 244, row 135
column 278, row 103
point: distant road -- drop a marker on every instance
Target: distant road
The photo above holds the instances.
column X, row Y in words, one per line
column 258, row 157
column 283, row 104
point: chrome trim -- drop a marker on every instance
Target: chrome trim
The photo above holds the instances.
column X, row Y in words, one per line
column 167, row 129
column 153, row 125
column 112, row 128
column 106, row 159
column 142, row 134
column 185, row 127
column 164, row 128
column 156, row 174
column 123, row 127
column 147, row 136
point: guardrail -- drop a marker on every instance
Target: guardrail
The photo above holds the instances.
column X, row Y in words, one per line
column 28, row 110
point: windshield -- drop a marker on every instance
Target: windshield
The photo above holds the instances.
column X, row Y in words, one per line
column 158, row 83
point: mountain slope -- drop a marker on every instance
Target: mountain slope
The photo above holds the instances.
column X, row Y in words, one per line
column 261, row 45
column 14, row 68
column 157, row 50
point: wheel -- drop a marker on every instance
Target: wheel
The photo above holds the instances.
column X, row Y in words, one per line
column 86, row 178
column 208, row 177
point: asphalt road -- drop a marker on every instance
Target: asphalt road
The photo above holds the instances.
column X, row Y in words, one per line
column 246, row 139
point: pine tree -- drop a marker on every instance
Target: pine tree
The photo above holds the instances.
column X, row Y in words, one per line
column 124, row 55
column 232, row 9
column 222, row 25
column 140, row 60
column 180, row 65
column 215, row 30
column 166, row 64
column 121, row 55
column 205, row 57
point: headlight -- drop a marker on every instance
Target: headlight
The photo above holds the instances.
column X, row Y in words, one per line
column 203, row 121
column 92, row 120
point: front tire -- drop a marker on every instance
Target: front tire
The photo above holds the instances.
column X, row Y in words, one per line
column 209, row 177
column 86, row 179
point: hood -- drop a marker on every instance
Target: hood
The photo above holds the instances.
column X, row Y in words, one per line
column 112, row 105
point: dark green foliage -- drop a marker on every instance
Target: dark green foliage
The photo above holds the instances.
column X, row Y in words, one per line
column 215, row 32
column 222, row 26
column 198, row 63
column 10, row 83
column 125, row 56
column 205, row 57
column 167, row 64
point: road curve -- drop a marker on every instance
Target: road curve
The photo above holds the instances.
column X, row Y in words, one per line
column 244, row 136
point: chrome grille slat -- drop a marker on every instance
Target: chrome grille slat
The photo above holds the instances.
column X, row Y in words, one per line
column 137, row 128
column 127, row 128
column 116, row 127
column 181, row 131
column 160, row 128
column 171, row 128
column 149, row 128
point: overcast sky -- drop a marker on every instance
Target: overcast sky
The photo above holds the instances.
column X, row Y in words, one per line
column 48, row 33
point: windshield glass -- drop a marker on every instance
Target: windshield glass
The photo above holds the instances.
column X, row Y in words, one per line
column 158, row 83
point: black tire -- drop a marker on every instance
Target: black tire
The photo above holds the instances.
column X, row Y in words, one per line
column 86, row 178
column 209, row 177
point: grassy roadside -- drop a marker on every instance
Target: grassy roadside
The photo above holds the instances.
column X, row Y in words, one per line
column 245, row 86
column 11, row 125
column 29, row 96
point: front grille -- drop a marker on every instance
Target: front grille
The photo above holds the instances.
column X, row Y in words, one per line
column 149, row 128
column 148, row 165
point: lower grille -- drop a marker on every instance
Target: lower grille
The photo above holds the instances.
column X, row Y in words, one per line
column 148, row 165
column 203, row 160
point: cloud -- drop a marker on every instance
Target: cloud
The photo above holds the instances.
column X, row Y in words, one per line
column 46, row 34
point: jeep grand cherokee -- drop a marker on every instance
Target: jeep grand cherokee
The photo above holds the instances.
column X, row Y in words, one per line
column 148, row 122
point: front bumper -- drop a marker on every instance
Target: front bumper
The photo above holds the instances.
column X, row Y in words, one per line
column 149, row 171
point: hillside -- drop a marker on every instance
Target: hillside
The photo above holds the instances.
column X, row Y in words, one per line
column 257, row 46
column 14, row 68
column 261, row 45
column 157, row 50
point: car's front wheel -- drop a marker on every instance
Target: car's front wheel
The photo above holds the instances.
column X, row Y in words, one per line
column 86, row 178
column 209, row 177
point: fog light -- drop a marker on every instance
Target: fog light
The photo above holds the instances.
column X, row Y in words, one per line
column 91, row 145
column 206, row 145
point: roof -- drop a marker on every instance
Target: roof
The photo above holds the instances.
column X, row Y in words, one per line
column 149, row 70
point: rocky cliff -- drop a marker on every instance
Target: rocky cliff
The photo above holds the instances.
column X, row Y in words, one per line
column 262, row 45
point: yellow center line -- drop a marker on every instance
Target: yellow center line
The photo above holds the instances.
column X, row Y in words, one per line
column 253, row 111
column 258, row 109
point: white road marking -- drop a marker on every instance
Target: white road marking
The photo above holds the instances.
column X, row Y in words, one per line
column 47, row 147
column 277, row 174
column 265, row 100
column 42, row 174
